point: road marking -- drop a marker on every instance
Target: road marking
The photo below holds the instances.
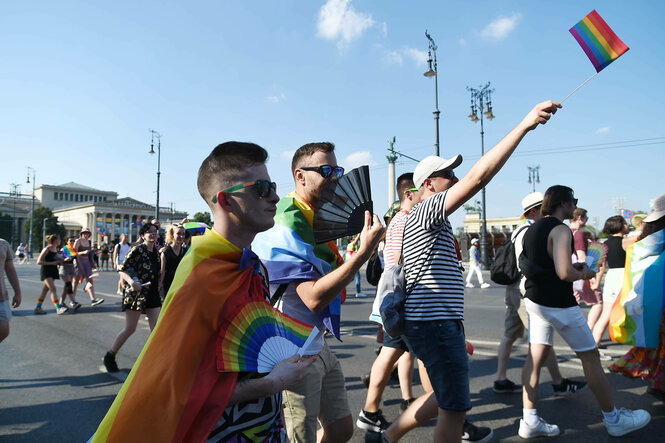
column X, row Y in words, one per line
column 105, row 294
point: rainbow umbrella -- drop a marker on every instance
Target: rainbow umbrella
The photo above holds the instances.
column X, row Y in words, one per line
column 196, row 227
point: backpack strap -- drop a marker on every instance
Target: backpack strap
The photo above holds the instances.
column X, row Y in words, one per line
column 278, row 293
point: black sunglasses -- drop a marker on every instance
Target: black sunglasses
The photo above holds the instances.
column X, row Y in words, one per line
column 326, row 170
column 263, row 188
column 448, row 174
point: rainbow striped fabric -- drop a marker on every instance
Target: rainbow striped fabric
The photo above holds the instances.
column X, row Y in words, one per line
column 175, row 391
column 598, row 41
column 291, row 255
column 256, row 336
column 638, row 310
column 68, row 251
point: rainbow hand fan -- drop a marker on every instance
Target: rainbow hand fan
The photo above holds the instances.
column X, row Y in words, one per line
column 596, row 252
column 258, row 336
column 343, row 213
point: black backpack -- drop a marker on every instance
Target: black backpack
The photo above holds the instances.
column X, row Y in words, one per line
column 374, row 269
column 504, row 269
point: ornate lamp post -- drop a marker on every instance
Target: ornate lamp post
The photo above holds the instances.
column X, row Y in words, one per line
column 156, row 135
column 481, row 102
column 432, row 72
column 534, row 176
column 32, row 207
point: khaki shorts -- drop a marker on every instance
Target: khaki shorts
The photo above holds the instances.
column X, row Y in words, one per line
column 516, row 316
column 320, row 395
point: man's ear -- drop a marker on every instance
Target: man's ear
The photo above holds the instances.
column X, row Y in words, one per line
column 299, row 177
column 221, row 200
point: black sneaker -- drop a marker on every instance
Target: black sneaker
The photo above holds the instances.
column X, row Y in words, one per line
column 75, row 305
column 372, row 421
column 506, row 387
column 109, row 363
column 405, row 404
column 476, row 434
column 96, row 301
column 567, row 387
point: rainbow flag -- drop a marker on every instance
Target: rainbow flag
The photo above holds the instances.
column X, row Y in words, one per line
column 175, row 391
column 291, row 255
column 636, row 315
column 598, row 41
column 68, row 251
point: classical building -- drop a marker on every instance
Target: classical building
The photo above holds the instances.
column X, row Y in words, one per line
column 472, row 223
column 77, row 206
column 17, row 206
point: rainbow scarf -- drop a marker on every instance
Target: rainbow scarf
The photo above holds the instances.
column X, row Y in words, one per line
column 636, row 315
column 598, row 41
column 175, row 392
column 291, row 255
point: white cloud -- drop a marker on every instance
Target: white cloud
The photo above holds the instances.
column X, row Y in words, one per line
column 339, row 21
column 603, row 130
column 358, row 159
column 397, row 57
column 277, row 97
column 499, row 28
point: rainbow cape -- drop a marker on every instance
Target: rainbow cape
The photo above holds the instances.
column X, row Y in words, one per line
column 175, row 392
column 290, row 253
column 598, row 41
column 638, row 310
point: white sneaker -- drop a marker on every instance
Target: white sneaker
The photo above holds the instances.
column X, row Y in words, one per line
column 541, row 429
column 484, row 286
column 469, row 285
column 629, row 421
column 361, row 295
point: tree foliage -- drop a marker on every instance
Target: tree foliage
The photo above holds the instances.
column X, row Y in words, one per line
column 203, row 217
column 52, row 226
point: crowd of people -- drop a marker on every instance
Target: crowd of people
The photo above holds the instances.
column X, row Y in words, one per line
column 262, row 248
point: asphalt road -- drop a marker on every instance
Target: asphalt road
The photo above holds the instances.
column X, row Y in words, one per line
column 53, row 387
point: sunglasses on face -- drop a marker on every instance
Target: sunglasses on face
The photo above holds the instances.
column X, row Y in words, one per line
column 575, row 201
column 263, row 188
column 326, row 170
column 411, row 190
column 448, row 174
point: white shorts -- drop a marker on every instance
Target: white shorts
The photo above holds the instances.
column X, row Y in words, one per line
column 5, row 311
column 568, row 322
column 613, row 284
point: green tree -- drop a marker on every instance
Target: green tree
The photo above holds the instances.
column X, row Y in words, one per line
column 52, row 227
column 203, row 217
column 6, row 226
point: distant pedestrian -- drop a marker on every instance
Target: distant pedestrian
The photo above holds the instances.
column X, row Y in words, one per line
column 104, row 255
column 171, row 255
column 616, row 227
column 21, row 254
column 351, row 249
column 474, row 266
column 68, row 275
column 552, row 307
column 7, row 269
column 49, row 260
column 120, row 251
column 140, row 272
column 84, row 264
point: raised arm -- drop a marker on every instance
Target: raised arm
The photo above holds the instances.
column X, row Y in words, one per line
column 317, row 294
column 489, row 164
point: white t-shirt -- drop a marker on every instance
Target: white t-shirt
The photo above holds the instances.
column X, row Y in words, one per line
column 123, row 250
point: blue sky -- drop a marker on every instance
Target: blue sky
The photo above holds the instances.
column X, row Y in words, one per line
column 82, row 82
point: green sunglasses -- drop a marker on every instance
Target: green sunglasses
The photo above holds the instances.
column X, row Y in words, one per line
column 263, row 188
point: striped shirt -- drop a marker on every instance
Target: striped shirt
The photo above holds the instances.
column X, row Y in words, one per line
column 436, row 279
column 394, row 235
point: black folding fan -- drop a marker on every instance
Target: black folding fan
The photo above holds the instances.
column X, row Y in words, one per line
column 343, row 213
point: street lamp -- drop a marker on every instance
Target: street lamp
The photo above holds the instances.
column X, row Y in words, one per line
column 32, row 207
column 432, row 72
column 481, row 103
column 157, row 135
column 16, row 190
column 534, row 176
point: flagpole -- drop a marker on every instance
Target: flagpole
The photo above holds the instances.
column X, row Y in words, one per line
column 575, row 90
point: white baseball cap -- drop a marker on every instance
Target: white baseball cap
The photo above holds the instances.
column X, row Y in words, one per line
column 429, row 165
